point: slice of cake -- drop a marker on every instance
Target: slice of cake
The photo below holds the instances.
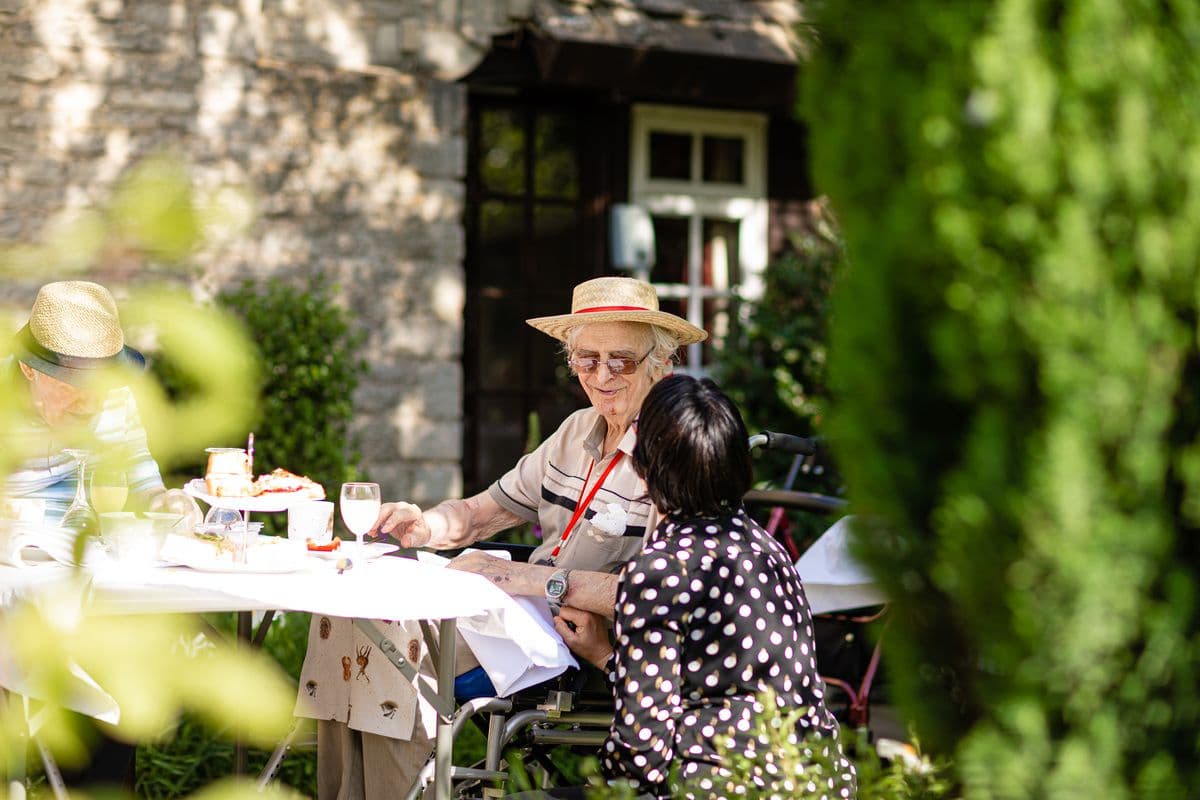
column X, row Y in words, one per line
column 228, row 473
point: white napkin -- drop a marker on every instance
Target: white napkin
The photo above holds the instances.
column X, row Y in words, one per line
column 833, row 579
column 517, row 647
column 24, row 542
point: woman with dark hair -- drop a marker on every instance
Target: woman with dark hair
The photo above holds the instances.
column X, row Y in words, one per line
column 710, row 616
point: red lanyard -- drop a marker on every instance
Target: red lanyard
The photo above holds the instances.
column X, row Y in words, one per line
column 582, row 506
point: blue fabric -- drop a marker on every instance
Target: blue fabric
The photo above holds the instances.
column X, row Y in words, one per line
column 472, row 684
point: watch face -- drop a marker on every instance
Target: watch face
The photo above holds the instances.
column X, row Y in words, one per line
column 556, row 587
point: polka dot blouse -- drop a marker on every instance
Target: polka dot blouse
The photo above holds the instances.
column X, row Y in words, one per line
column 710, row 615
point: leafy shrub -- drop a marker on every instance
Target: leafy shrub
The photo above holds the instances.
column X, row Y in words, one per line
column 1015, row 358
column 774, row 367
column 921, row 778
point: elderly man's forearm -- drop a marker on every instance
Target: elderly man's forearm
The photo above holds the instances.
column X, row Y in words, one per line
column 460, row 523
column 593, row 591
column 590, row 591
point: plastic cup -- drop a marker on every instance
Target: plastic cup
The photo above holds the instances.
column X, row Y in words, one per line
column 311, row 520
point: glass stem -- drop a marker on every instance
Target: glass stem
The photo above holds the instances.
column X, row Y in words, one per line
column 80, row 476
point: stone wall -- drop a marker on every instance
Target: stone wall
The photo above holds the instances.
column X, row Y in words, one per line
column 339, row 116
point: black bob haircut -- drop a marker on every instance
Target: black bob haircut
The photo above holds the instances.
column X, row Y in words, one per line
column 692, row 448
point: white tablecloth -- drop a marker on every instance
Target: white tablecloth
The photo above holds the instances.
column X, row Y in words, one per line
column 386, row 588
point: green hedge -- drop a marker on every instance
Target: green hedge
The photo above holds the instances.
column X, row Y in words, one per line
column 1014, row 353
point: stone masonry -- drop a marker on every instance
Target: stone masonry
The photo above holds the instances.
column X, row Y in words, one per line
column 342, row 117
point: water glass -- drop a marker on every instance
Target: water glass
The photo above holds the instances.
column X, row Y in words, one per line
column 360, row 504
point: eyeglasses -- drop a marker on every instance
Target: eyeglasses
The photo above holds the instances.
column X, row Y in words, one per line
column 616, row 366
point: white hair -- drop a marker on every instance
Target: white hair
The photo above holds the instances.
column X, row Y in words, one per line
column 663, row 345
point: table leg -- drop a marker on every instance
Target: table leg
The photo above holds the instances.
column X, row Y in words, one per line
column 245, row 634
column 244, row 629
column 445, row 731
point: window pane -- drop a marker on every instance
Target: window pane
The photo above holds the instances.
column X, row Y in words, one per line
column 721, row 246
column 499, row 254
column 671, row 156
column 670, row 250
column 723, row 159
column 555, row 167
column 500, row 352
column 555, row 407
column 501, row 439
column 556, row 245
column 679, row 307
column 719, row 320
column 502, row 151
column 548, row 368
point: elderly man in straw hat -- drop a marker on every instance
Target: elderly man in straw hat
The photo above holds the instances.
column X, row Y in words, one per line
column 73, row 332
column 579, row 486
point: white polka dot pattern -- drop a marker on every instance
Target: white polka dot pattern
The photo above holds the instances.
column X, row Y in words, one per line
column 697, row 642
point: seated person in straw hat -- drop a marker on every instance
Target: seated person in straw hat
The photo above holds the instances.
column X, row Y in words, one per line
column 579, row 486
column 74, row 331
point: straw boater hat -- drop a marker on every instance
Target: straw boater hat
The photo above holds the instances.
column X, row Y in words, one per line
column 73, row 330
column 616, row 300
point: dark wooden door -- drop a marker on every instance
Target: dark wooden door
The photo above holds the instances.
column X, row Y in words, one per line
column 539, row 185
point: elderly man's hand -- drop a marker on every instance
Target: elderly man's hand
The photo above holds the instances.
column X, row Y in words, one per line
column 588, row 639
column 405, row 522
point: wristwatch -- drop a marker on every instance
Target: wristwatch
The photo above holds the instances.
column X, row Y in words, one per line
column 556, row 590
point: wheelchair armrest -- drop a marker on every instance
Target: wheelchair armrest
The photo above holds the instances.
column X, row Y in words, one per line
column 518, row 552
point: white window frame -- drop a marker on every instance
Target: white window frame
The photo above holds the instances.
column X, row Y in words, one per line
column 744, row 203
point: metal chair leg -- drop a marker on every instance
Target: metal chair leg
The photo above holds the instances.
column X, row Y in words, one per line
column 281, row 749
column 53, row 775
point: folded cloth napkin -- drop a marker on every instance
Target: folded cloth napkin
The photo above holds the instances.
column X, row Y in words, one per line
column 24, row 542
column 517, row 647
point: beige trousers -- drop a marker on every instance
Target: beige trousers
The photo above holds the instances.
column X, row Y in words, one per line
column 352, row 765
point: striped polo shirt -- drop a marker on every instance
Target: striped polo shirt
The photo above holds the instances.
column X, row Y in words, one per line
column 546, row 485
column 47, row 476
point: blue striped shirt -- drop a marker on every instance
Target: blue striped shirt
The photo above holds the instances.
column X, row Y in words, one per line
column 51, row 476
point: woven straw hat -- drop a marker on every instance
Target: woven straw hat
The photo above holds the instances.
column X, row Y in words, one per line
column 616, row 300
column 74, row 329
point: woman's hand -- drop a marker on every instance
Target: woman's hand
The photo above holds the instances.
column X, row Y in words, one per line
column 589, row 639
column 405, row 522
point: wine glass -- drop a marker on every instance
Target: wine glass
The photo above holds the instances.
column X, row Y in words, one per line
column 110, row 489
column 360, row 508
column 80, row 515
